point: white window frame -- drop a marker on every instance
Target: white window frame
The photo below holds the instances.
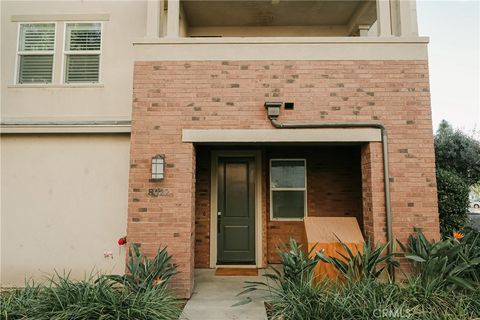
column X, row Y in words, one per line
column 304, row 189
column 28, row 53
column 69, row 52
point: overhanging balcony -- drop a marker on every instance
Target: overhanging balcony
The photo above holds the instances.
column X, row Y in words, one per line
column 281, row 18
column 281, row 29
column 277, row 18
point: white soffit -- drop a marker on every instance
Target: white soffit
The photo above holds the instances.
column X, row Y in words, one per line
column 280, row 135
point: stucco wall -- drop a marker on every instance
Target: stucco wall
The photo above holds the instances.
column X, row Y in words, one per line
column 63, row 204
column 110, row 99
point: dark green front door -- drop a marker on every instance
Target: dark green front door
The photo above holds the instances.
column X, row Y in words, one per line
column 236, row 210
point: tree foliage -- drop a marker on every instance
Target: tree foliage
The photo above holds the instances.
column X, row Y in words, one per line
column 457, row 152
column 453, row 201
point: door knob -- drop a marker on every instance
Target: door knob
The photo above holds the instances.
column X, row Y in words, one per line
column 219, row 213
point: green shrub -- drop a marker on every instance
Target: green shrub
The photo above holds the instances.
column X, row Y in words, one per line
column 471, row 249
column 64, row 299
column 363, row 263
column 363, row 295
column 446, row 263
column 144, row 273
column 457, row 152
column 453, row 202
column 296, row 300
column 367, row 299
column 297, row 266
column 297, row 272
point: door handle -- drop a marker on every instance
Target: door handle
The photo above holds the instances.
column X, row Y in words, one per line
column 219, row 219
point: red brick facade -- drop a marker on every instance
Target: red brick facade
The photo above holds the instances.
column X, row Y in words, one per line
column 171, row 96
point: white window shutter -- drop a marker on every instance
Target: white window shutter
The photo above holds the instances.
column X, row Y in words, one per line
column 35, row 69
column 82, row 68
column 82, row 52
column 35, row 53
column 37, row 37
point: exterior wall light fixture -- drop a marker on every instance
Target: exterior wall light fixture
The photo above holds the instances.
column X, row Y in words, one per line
column 158, row 167
column 273, row 109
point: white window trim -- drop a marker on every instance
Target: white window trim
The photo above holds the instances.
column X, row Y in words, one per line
column 16, row 77
column 305, row 213
column 67, row 52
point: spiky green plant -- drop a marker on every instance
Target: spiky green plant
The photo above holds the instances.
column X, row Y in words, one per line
column 297, row 270
column 144, row 273
column 363, row 295
column 63, row 299
column 369, row 262
column 297, row 265
column 445, row 263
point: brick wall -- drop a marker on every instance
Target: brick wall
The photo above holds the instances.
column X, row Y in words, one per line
column 202, row 208
column 172, row 95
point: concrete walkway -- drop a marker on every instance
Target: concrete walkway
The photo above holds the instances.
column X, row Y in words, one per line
column 213, row 297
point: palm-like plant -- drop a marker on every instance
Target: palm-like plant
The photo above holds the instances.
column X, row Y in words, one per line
column 144, row 273
column 297, row 272
column 61, row 298
column 297, row 266
column 449, row 262
column 363, row 263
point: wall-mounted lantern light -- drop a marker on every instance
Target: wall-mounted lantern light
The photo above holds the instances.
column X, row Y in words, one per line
column 273, row 109
column 158, row 167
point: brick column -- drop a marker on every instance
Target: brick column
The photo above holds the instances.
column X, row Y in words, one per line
column 374, row 220
column 167, row 218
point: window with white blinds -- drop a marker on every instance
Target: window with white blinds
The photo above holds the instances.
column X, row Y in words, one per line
column 36, row 47
column 82, row 52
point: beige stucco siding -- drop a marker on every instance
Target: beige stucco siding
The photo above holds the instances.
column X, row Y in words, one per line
column 63, row 204
column 123, row 21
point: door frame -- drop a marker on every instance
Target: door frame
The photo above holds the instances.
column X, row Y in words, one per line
column 257, row 155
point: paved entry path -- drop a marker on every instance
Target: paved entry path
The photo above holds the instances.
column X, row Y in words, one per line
column 213, row 297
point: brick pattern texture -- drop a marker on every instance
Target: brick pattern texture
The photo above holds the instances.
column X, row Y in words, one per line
column 172, row 95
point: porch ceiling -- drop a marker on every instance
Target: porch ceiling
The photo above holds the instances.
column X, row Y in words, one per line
column 278, row 13
column 279, row 135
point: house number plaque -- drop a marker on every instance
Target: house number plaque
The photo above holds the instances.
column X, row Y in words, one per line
column 158, row 192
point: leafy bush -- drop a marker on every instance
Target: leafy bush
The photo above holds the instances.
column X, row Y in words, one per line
column 361, row 264
column 363, row 295
column 458, row 153
column 297, row 272
column 297, row 266
column 64, row 299
column 445, row 263
column 369, row 298
column 453, row 202
column 140, row 294
column 143, row 273
column 471, row 249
